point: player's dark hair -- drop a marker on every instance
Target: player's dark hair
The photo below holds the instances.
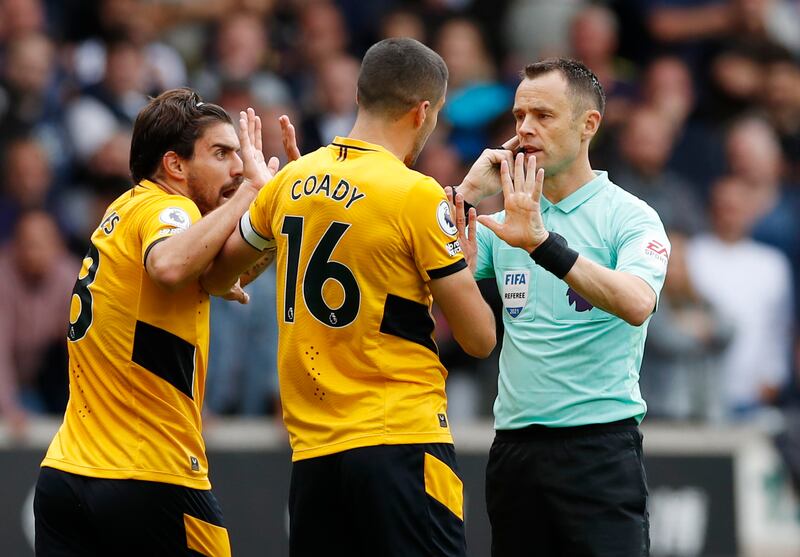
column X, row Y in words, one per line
column 173, row 121
column 581, row 80
column 397, row 74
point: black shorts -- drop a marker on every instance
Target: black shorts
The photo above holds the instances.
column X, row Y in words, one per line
column 381, row 501
column 94, row 517
column 571, row 492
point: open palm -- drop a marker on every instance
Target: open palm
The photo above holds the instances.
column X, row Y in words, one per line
column 256, row 169
column 523, row 226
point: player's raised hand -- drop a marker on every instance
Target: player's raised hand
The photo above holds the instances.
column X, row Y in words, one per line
column 523, row 226
column 465, row 226
column 483, row 178
column 256, row 170
column 289, row 138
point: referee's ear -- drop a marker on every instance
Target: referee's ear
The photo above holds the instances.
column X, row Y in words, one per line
column 591, row 123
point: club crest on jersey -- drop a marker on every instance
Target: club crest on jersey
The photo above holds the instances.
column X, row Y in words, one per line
column 443, row 218
column 175, row 216
column 515, row 291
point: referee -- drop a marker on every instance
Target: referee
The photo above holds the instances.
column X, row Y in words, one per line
column 579, row 264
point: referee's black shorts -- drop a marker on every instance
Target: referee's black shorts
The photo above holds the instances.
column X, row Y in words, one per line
column 79, row 516
column 381, row 501
column 568, row 492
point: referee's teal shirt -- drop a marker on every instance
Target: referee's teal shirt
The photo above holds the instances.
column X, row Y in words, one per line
column 565, row 363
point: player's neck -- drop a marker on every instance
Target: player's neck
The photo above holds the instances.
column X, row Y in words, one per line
column 170, row 186
column 391, row 136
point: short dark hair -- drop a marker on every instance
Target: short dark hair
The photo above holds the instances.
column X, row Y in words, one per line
column 581, row 80
column 173, row 121
column 397, row 74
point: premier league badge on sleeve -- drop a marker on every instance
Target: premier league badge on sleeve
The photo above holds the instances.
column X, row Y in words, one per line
column 444, row 219
column 515, row 291
column 175, row 216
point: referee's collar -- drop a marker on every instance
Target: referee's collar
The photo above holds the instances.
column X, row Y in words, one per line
column 579, row 196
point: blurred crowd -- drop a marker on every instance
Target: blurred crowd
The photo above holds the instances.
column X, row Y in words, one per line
column 703, row 123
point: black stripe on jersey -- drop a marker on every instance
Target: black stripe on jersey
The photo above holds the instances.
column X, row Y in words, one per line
column 353, row 147
column 151, row 246
column 442, row 272
column 409, row 320
column 166, row 355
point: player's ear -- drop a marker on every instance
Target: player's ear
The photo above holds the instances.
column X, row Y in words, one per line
column 173, row 165
column 421, row 113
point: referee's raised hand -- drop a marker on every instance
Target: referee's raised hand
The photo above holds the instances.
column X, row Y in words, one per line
column 523, row 226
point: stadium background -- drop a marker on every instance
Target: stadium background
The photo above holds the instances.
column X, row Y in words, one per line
column 703, row 122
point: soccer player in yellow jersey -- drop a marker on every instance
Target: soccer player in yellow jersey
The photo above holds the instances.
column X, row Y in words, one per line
column 127, row 472
column 364, row 244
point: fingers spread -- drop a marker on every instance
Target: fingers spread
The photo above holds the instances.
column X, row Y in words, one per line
column 519, row 172
column 258, row 137
column 505, row 179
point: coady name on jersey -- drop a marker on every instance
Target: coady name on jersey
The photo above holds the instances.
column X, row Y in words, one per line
column 314, row 185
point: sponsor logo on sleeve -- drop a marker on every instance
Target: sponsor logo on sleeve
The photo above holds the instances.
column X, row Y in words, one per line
column 515, row 291
column 656, row 250
column 175, row 216
column 453, row 247
column 444, row 219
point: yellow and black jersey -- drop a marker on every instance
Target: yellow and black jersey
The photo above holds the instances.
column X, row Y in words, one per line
column 359, row 236
column 137, row 354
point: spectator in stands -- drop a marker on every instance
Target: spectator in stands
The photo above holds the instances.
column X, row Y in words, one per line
column 474, row 97
column 680, row 376
column 38, row 275
column 321, row 36
column 165, row 69
column 737, row 76
column 100, row 121
column 27, row 182
column 536, row 29
column 749, row 284
column 754, row 155
column 30, row 98
column 593, row 40
column 667, row 86
column 334, row 110
column 403, row 23
column 781, row 99
column 19, row 18
column 644, row 149
column 242, row 55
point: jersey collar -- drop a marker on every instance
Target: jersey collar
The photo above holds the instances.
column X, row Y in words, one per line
column 358, row 145
column 579, row 196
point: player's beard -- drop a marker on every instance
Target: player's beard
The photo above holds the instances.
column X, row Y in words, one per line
column 208, row 199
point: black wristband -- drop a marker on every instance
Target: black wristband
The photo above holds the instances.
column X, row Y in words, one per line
column 555, row 255
column 467, row 206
